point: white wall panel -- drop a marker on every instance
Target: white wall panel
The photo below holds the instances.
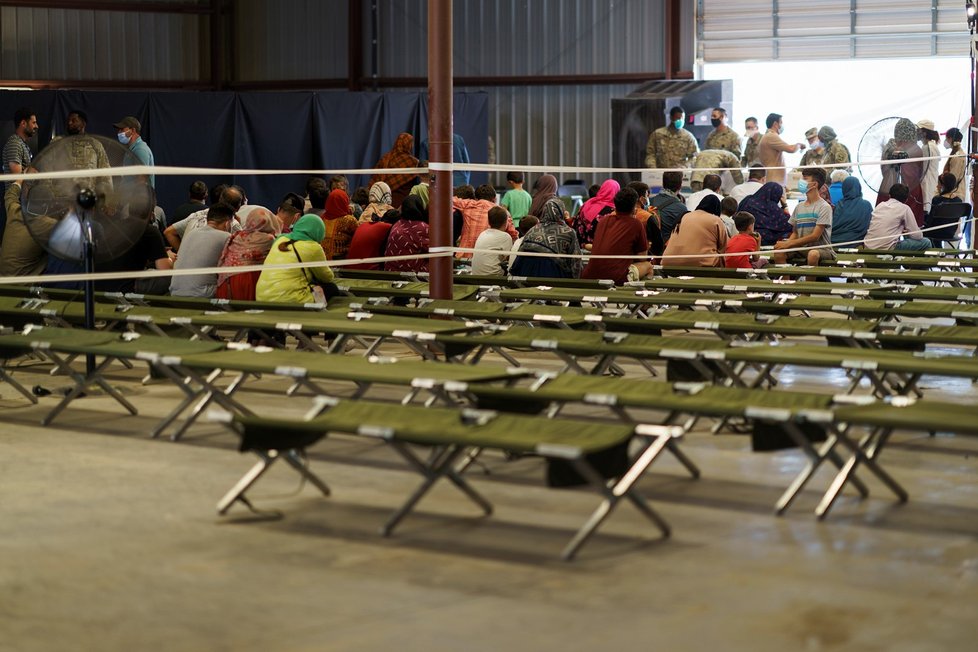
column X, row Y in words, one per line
column 765, row 30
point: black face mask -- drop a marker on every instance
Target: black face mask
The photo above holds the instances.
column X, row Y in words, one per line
column 716, row 122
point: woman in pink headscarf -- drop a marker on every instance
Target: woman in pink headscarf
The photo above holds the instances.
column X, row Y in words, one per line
column 586, row 221
column 249, row 246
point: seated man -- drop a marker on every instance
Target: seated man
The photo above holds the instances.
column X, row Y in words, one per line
column 894, row 218
column 710, row 187
column 811, row 224
column 756, row 178
column 619, row 234
column 475, row 216
column 202, row 248
column 669, row 203
column 495, row 238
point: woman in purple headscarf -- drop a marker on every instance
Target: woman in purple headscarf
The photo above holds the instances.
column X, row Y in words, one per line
column 770, row 220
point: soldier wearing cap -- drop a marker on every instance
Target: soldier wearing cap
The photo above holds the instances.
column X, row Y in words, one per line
column 128, row 134
column 813, row 156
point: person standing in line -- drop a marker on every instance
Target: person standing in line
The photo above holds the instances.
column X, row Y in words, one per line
column 772, row 148
column 722, row 136
column 671, row 146
column 128, row 133
column 516, row 200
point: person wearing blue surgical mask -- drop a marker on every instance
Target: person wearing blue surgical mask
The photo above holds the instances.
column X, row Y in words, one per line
column 672, row 146
column 811, row 225
column 128, row 130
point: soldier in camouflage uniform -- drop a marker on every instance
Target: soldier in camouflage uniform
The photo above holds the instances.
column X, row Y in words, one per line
column 722, row 136
column 709, row 161
column 835, row 152
column 671, row 146
column 816, row 150
column 752, row 138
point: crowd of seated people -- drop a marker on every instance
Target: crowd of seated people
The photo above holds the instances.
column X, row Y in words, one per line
column 389, row 218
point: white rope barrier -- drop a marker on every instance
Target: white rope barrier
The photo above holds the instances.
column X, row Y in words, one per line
column 434, row 252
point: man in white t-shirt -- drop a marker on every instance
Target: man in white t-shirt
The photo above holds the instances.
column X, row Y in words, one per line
column 232, row 196
column 495, row 238
column 711, row 186
column 756, row 178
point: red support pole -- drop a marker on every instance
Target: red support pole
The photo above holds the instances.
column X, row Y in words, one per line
column 440, row 92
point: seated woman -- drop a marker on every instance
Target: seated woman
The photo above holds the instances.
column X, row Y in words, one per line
column 698, row 237
column 409, row 237
column 301, row 245
column 770, row 220
column 249, row 246
column 380, row 203
column 947, row 184
column 550, row 236
column 339, row 224
column 586, row 221
column 850, row 218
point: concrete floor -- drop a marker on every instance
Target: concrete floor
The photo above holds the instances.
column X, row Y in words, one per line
column 110, row 541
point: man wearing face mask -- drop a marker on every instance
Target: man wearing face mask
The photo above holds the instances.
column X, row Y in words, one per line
column 816, row 149
column 128, row 134
column 671, row 146
column 771, row 149
column 722, row 136
column 752, row 138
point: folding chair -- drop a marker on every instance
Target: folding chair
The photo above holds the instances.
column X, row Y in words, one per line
column 947, row 218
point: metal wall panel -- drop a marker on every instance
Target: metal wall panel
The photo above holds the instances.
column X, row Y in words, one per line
column 291, row 39
column 98, row 45
column 553, row 126
column 527, row 37
column 766, row 30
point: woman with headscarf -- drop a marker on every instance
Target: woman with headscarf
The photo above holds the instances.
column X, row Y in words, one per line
column 850, row 219
column 301, row 245
column 586, row 221
column 409, row 237
column 711, row 204
column 422, row 191
column 550, row 236
column 400, row 156
column 544, row 190
column 770, row 220
column 698, row 238
column 379, row 203
column 249, row 246
column 339, row 224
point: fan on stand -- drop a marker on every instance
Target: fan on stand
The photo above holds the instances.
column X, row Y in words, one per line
column 89, row 218
column 893, row 139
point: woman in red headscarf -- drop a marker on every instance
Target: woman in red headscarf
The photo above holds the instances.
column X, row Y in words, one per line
column 340, row 225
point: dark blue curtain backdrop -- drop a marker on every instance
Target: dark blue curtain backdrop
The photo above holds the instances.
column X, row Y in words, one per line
column 289, row 130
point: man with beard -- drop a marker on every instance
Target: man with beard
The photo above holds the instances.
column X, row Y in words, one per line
column 16, row 154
